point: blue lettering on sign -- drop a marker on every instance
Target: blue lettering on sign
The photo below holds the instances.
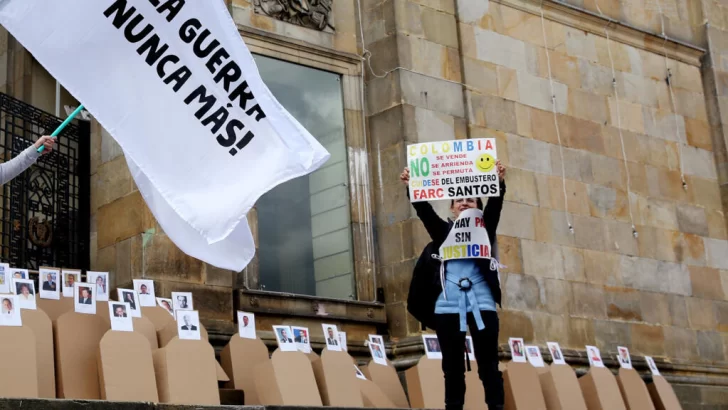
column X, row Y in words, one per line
column 470, row 146
column 458, row 146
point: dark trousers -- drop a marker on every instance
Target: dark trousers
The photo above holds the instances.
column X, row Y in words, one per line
column 452, row 344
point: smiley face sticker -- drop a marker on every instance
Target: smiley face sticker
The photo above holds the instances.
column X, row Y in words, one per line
column 485, row 163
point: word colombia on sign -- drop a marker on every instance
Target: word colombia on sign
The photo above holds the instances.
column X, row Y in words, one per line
column 453, row 169
column 175, row 85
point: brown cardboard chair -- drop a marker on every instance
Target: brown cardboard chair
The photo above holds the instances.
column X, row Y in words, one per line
column 185, row 374
column 145, row 327
column 42, row 328
column 424, row 384
column 600, row 390
column 239, row 359
column 372, row 396
column 663, row 396
column 561, row 388
column 634, row 391
column 54, row 308
column 19, row 378
column 287, row 379
column 388, row 381
column 336, row 380
column 102, row 311
column 158, row 316
column 77, row 337
column 170, row 332
column 126, row 368
column 474, row 392
column 522, row 387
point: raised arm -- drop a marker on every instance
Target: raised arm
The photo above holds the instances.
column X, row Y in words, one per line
column 14, row 167
column 436, row 227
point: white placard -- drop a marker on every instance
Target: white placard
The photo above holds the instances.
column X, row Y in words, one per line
column 595, row 357
column 623, row 357
column 130, row 296
column 359, row 374
column 24, row 289
column 188, row 325
column 557, row 357
column 5, row 278
column 331, row 334
column 246, row 325
column 342, row 340
column 145, row 290
column 534, row 356
column 453, row 169
column 379, row 355
column 651, row 364
column 49, row 280
column 432, row 346
column 182, row 301
column 19, row 273
column 9, row 311
column 119, row 314
column 301, row 338
column 70, row 277
column 468, row 238
column 378, row 339
column 166, row 304
column 84, row 299
column 101, row 281
column 469, row 350
column 285, row 339
column 518, row 351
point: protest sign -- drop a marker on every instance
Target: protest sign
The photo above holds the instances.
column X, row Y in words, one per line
column 453, row 169
column 175, row 85
column 467, row 238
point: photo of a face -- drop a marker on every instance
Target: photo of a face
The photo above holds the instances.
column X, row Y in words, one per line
column 246, row 325
column 10, row 312
column 120, row 318
column 359, row 374
column 300, row 337
column 518, row 355
column 4, row 279
column 432, row 347
column 19, row 273
column 378, row 354
column 556, row 356
column 145, row 289
column 284, row 338
column 25, row 292
column 100, row 284
column 85, row 301
column 534, row 356
column 130, row 296
column 166, row 304
column 331, row 334
column 376, row 339
column 651, row 364
column 623, row 357
column 70, row 278
column 182, row 301
column 595, row 358
column 49, row 286
column 469, row 348
column 188, row 323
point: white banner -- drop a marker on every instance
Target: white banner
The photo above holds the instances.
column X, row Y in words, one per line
column 468, row 238
column 453, row 169
column 174, row 84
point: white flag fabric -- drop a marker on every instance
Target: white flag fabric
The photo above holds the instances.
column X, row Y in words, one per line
column 174, row 84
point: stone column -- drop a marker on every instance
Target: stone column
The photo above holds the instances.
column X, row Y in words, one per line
column 421, row 101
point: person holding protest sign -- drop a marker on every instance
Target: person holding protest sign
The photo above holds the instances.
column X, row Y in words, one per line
column 456, row 285
column 14, row 167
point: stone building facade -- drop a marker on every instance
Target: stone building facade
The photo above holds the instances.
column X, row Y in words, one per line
column 609, row 114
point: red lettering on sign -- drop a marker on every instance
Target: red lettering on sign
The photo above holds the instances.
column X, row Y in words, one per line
column 488, row 145
column 479, row 222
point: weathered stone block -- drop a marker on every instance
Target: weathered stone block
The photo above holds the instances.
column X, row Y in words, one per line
column 111, row 182
column 602, row 268
column 481, row 76
column 515, row 324
column 555, row 295
column 517, row 221
column 721, row 316
column 655, row 308
column 587, row 301
column 574, row 266
column 609, row 172
column 698, row 134
column 542, row 259
column 509, row 249
column 472, row 12
column 164, row 261
column 607, row 202
column 630, row 115
column 701, row 313
column 432, row 126
column 590, row 233
column 586, row 105
column 218, row 277
column 706, row 283
column 681, row 343
column 522, row 187
column 580, row 332
column 621, row 239
column 542, row 124
column 648, row 340
column 390, row 244
column 595, row 78
column 536, row 92
column 522, row 292
column 699, row 162
column 581, row 134
column 705, row 192
column 577, row 164
column 529, row 154
column 623, row 304
column 122, row 219
column 492, row 112
column 710, row 346
column 692, row 219
column 717, row 253
column 431, row 93
column 610, row 334
column 499, row 49
column 548, row 327
column 507, row 83
column 440, row 27
column 678, row 310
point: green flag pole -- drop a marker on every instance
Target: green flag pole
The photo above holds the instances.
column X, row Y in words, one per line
column 63, row 124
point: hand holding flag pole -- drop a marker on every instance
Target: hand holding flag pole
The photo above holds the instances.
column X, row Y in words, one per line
column 63, row 125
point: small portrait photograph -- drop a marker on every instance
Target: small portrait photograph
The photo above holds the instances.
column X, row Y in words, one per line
column 10, row 315
column 331, row 334
column 379, row 356
column 130, row 296
column 188, row 325
column 84, row 301
column 595, row 358
column 376, row 339
column 4, row 278
column 518, row 354
column 432, row 347
column 166, row 304
column 101, row 282
column 534, row 356
column 359, row 374
column 300, row 337
column 49, row 287
column 182, row 300
column 25, row 290
column 145, row 290
column 342, row 341
column 121, row 320
column 651, row 364
column 70, row 277
column 284, row 338
column 246, row 325
column 19, row 273
column 556, row 356
column 469, row 348
column 624, row 358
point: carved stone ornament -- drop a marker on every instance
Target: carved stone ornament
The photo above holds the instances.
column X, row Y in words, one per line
column 40, row 233
column 313, row 14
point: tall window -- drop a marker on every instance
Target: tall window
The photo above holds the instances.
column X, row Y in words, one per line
column 304, row 233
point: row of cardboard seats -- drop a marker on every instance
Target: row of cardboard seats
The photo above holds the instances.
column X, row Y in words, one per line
column 60, row 353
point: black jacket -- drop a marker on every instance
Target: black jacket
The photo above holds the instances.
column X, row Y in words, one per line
column 425, row 287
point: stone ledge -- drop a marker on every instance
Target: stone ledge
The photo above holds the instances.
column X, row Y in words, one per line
column 59, row 404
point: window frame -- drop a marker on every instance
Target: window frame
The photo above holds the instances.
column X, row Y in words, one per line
column 361, row 210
